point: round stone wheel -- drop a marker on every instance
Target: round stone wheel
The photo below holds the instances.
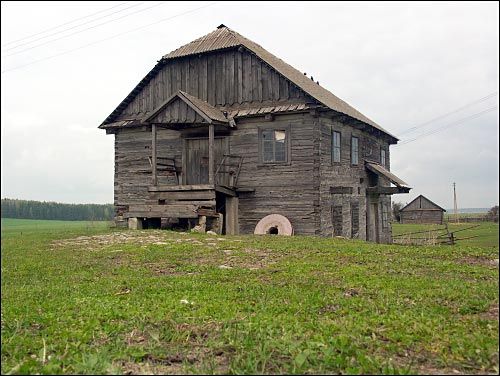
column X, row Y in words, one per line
column 274, row 224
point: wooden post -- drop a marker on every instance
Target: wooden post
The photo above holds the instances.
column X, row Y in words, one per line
column 153, row 156
column 211, row 154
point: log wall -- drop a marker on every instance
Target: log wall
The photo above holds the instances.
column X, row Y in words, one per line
column 349, row 182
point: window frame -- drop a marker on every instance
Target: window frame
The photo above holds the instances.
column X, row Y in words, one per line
column 385, row 216
column 334, row 147
column 383, row 157
column 274, row 127
column 357, row 150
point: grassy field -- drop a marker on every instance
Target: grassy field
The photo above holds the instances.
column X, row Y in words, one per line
column 486, row 232
column 84, row 298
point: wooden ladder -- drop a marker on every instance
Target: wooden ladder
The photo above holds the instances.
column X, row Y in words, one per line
column 231, row 165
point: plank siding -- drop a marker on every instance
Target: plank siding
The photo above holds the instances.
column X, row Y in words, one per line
column 298, row 189
column 422, row 210
column 224, row 78
column 344, row 174
column 285, row 189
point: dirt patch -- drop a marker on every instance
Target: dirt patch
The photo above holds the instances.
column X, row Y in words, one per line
column 252, row 259
column 491, row 313
column 330, row 308
column 98, row 241
column 198, row 359
column 198, row 333
column 136, row 337
column 482, row 261
column 423, row 363
column 166, row 270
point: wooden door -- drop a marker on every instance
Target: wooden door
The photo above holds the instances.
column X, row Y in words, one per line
column 196, row 158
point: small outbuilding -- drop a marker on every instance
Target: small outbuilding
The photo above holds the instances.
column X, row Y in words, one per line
column 422, row 210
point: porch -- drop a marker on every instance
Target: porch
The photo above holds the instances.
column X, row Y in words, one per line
column 202, row 185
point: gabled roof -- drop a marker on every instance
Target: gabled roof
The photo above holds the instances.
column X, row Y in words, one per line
column 421, row 196
column 208, row 112
column 225, row 38
column 381, row 171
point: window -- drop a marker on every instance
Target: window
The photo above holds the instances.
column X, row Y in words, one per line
column 382, row 157
column 385, row 216
column 354, row 150
column 354, row 220
column 337, row 220
column 274, row 145
column 336, row 147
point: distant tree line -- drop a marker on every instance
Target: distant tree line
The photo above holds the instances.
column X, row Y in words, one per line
column 493, row 214
column 27, row 209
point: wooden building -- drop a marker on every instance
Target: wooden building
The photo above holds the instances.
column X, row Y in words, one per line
column 220, row 129
column 422, row 210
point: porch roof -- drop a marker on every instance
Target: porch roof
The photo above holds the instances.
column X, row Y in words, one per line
column 381, row 171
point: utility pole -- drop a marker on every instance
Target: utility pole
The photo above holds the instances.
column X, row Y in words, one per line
column 457, row 220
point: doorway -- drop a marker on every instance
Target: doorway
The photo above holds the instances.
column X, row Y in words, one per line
column 196, row 158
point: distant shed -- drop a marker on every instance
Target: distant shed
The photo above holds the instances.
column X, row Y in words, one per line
column 422, row 210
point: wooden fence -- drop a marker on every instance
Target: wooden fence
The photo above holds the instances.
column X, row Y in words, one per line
column 439, row 236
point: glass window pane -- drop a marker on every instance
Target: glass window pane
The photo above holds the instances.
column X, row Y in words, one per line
column 274, row 144
column 336, row 139
column 336, row 155
column 268, row 151
column 354, row 150
column 280, row 151
column 267, row 135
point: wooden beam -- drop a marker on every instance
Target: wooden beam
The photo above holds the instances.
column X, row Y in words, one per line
column 153, row 157
column 162, row 211
column 185, row 195
column 210, row 154
column 226, row 191
column 176, row 188
column 341, row 190
column 245, row 190
column 387, row 190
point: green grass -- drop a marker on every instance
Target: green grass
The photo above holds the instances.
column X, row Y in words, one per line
column 486, row 232
column 84, row 298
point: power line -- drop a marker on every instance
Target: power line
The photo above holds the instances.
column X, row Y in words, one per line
column 449, row 125
column 112, row 37
column 91, row 27
column 62, row 31
column 66, row 23
column 409, row 130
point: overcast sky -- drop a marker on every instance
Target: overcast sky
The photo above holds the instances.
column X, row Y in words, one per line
column 401, row 64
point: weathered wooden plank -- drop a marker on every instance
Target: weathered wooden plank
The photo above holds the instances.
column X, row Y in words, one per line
column 229, row 69
column 219, row 79
column 211, row 169
column 160, row 208
column 226, row 191
column 246, row 78
column 174, row 188
column 203, row 78
column 186, row 195
column 239, row 77
column 153, row 158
